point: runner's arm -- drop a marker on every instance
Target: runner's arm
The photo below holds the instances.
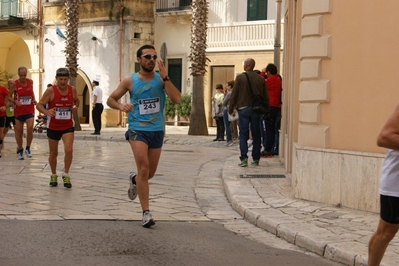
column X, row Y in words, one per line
column 389, row 135
column 116, row 95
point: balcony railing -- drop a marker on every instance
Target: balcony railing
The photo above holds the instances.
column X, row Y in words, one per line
column 242, row 36
column 172, row 5
column 17, row 8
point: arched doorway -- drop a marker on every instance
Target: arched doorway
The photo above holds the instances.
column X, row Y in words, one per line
column 14, row 53
column 84, row 88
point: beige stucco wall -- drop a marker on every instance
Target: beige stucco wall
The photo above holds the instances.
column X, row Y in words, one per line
column 340, row 61
column 344, row 49
column 362, row 72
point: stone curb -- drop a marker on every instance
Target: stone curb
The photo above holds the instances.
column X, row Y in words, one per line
column 246, row 201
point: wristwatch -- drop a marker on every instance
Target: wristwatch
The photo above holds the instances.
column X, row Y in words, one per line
column 166, row 78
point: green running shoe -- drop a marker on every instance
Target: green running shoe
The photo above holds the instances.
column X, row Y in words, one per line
column 67, row 181
column 53, row 180
column 244, row 163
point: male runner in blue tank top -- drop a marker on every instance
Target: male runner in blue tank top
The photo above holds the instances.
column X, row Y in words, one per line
column 146, row 120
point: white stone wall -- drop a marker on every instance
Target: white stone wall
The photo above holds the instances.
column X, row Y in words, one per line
column 337, row 177
column 96, row 58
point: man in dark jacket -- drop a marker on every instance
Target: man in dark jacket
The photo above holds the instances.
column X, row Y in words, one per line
column 241, row 99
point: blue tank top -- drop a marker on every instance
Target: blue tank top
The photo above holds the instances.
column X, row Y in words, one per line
column 148, row 99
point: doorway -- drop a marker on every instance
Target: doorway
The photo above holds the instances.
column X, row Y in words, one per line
column 219, row 75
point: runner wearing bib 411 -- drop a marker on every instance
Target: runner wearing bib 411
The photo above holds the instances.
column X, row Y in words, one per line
column 62, row 105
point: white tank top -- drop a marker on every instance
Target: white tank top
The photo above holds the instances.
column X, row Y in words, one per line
column 389, row 185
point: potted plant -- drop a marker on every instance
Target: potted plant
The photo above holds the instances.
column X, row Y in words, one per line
column 170, row 110
column 184, row 107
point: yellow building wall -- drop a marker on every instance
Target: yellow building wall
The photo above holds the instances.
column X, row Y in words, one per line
column 340, row 62
column 362, row 70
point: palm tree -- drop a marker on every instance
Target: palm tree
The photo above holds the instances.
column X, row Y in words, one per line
column 71, row 47
column 198, row 63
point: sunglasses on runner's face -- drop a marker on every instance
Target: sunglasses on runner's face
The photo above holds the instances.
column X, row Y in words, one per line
column 150, row 56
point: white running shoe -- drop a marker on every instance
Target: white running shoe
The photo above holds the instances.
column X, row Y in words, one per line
column 132, row 191
column 147, row 221
column 20, row 155
column 28, row 153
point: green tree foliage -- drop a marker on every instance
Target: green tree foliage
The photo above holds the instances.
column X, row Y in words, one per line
column 4, row 77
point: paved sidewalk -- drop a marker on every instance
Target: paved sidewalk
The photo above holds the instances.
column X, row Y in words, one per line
column 339, row 234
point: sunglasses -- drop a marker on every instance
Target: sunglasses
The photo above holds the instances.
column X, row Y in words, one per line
column 150, row 56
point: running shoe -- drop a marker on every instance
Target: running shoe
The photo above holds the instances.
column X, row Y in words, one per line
column 255, row 162
column 27, row 152
column 147, row 221
column 132, row 191
column 244, row 163
column 53, row 180
column 20, row 154
column 266, row 154
column 67, row 180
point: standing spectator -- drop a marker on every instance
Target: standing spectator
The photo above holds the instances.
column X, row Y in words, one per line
column 227, row 123
column 274, row 88
column 146, row 125
column 234, row 130
column 218, row 112
column 24, row 110
column 97, row 104
column 241, row 99
column 389, row 191
column 62, row 100
column 3, row 96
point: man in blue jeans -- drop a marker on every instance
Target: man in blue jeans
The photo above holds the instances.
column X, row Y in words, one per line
column 241, row 99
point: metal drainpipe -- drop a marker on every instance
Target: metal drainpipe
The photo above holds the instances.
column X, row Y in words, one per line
column 122, row 8
column 40, row 46
column 277, row 40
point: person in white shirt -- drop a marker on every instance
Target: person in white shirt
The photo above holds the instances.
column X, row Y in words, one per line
column 97, row 104
column 388, row 224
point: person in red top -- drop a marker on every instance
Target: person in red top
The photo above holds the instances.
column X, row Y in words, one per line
column 24, row 110
column 62, row 100
column 274, row 88
column 3, row 96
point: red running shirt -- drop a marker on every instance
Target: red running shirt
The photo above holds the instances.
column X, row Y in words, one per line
column 3, row 95
column 62, row 105
column 24, row 94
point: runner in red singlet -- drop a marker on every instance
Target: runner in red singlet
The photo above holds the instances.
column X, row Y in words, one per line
column 3, row 96
column 24, row 110
column 62, row 100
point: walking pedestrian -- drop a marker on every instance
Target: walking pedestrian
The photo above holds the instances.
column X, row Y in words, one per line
column 97, row 105
column 241, row 99
column 146, row 120
column 389, row 191
column 61, row 101
column 21, row 94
